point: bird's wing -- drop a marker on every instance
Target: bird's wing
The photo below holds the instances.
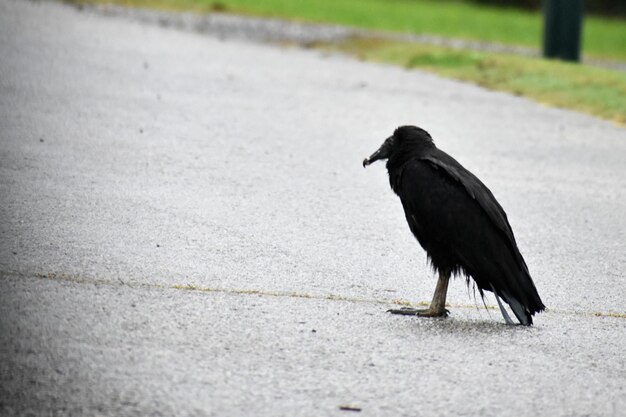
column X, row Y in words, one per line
column 478, row 192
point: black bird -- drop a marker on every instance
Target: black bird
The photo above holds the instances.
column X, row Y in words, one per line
column 458, row 222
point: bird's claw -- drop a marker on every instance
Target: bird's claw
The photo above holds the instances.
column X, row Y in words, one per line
column 420, row 312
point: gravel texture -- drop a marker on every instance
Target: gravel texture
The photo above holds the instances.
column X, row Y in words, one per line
column 137, row 162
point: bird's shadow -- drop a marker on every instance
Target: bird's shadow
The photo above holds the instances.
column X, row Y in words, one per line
column 463, row 325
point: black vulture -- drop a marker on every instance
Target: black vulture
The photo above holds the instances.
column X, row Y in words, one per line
column 458, row 222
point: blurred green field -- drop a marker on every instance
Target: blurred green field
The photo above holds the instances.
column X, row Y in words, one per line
column 602, row 37
column 596, row 91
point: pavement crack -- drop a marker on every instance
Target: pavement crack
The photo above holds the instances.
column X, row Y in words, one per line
column 118, row 282
column 293, row 294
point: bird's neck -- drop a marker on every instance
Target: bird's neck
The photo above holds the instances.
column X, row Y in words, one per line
column 395, row 167
column 397, row 161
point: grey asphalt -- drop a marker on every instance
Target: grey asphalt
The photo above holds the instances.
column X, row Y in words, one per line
column 186, row 229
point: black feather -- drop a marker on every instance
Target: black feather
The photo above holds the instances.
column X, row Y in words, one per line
column 458, row 221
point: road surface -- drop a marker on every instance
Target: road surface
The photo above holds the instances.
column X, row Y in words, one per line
column 186, row 229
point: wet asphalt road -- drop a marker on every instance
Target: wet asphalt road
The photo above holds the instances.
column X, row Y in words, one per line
column 186, row 229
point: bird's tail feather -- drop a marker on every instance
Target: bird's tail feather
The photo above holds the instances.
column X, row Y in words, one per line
column 517, row 289
column 521, row 312
column 506, row 316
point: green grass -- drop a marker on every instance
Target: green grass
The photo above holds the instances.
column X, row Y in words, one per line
column 596, row 91
column 602, row 37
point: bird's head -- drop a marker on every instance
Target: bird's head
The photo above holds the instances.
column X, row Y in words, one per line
column 404, row 138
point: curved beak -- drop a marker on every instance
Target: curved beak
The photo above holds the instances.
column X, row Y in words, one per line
column 382, row 152
column 373, row 157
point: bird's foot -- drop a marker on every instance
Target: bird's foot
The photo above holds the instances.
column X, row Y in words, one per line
column 420, row 312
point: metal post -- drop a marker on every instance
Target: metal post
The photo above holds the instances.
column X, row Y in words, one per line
column 562, row 29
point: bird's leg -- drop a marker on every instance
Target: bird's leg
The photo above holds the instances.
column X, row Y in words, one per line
column 438, row 304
